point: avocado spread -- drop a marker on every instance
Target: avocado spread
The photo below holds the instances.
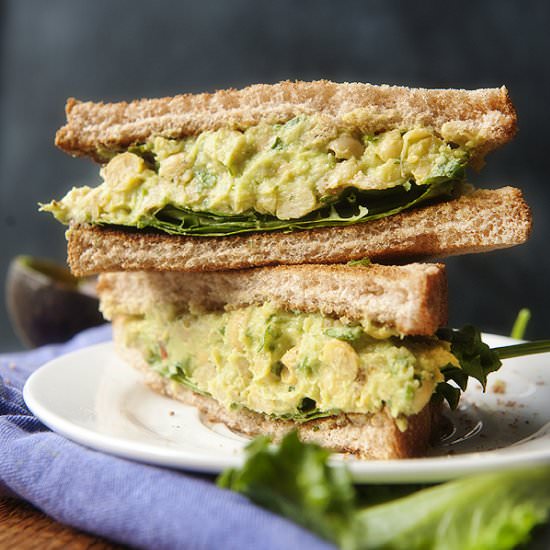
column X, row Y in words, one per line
column 290, row 364
column 306, row 170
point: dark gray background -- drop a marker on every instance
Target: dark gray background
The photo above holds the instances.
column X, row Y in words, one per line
column 115, row 50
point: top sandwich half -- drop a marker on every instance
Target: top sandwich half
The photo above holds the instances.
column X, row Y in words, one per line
column 211, row 169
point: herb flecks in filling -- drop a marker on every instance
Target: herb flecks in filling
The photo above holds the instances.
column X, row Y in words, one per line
column 305, row 173
column 291, row 365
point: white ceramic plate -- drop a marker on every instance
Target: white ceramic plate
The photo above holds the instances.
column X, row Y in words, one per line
column 94, row 398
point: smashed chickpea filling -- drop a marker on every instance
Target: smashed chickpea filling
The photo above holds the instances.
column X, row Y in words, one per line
column 282, row 170
column 290, row 364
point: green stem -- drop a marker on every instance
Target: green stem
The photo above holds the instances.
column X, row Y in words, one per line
column 517, row 350
column 520, row 325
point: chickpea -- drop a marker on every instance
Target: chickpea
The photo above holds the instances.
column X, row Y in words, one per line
column 345, row 147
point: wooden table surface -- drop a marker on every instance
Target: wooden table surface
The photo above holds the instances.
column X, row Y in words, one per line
column 22, row 527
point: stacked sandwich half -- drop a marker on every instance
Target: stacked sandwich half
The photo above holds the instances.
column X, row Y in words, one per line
column 203, row 194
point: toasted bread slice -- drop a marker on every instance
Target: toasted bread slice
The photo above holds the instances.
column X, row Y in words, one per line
column 368, row 436
column 411, row 299
column 487, row 114
column 478, row 222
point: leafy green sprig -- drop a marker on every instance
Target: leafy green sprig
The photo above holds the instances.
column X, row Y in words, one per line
column 477, row 360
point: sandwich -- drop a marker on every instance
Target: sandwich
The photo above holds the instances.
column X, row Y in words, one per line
column 348, row 356
column 289, row 173
column 202, row 195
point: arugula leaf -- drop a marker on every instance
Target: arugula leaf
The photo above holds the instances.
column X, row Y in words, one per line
column 477, row 360
column 177, row 372
column 294, row 480
column 352, row 207
column 305, row 415
column 451, row 394
column 495, row 510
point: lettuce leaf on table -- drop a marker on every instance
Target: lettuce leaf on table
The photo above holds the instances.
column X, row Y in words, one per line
column 493, row 511
column 295, row 481
column 487, row 511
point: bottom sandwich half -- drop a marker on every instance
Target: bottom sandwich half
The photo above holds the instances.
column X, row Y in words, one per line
column 345, row 355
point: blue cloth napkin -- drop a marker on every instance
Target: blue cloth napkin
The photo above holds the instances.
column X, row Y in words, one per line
column 131, row 503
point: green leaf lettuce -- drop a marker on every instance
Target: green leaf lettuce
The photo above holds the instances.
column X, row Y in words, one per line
column 295, row 481
column 492, row 511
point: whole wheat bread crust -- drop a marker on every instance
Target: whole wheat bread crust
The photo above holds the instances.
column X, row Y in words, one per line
column 478, row 222
column 411, row 299
column 368, row 436
column 95, row 127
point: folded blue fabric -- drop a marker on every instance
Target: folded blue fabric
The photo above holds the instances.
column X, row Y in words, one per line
column 135, row 504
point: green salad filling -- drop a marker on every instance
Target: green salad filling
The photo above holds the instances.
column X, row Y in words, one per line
column 301, row 366
column 303, row 174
